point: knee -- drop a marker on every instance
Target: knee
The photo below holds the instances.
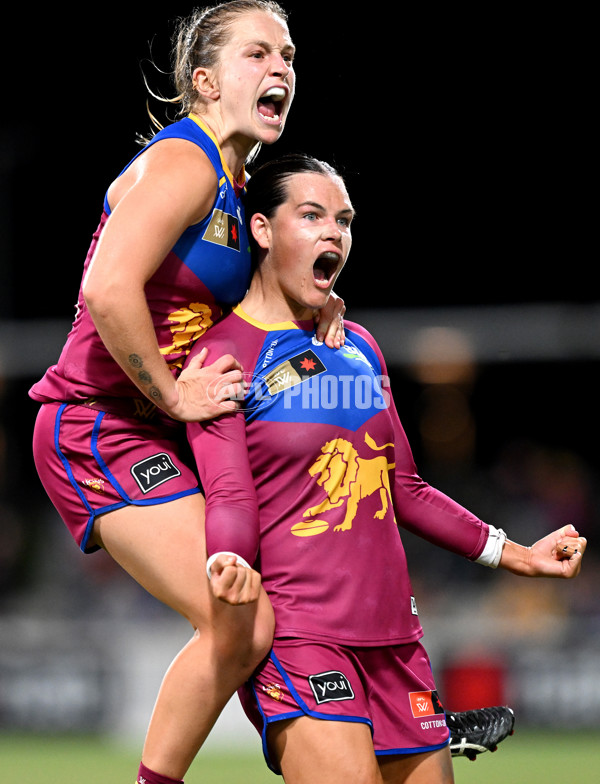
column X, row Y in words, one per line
column 249, row 641
column 241, row 636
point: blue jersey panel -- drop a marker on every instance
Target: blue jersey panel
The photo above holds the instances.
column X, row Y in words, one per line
column 320, row 385
column 216, row 250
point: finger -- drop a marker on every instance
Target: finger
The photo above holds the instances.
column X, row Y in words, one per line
column 228, row 406
column 225, row 363
column 565, row 551
column 231, row 377
column 230, row 393
column 339, row 307
column 223, row 583
column 568, row 530
column 341, row 333
column 572, row 565
column 222, row 386
column 570, row 546
column 242, row 591
column 335, row 333
column 221, row 562
column 250, row 590
column 226, row 585
column 197, row 360
column 327, row 319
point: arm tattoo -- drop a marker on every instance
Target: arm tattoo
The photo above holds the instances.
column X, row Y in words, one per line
column 136, row 362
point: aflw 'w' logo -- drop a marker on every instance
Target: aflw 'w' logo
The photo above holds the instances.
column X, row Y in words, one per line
column 223, row 229
column 144, row 409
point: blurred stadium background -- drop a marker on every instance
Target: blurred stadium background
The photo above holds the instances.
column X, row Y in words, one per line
column 470, row 266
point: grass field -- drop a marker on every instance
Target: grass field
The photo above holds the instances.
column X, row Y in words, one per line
column 527, row 758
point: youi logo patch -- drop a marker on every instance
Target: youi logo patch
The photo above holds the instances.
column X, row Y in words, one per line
column 153, row 471
column 331, row 686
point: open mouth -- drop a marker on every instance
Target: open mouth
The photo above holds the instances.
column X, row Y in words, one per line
column 270, row 105
column 324, row 268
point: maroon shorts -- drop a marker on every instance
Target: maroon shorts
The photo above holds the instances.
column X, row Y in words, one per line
column 391, row 689
column 93, row 461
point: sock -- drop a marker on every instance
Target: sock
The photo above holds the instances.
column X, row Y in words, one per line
column 147, row 776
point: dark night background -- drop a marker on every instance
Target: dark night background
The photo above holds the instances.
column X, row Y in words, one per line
column 462, row 136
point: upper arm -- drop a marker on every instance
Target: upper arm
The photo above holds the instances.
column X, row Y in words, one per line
column 420, row 508
column 168, row 188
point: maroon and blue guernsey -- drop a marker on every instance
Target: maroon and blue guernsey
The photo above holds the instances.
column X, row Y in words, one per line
column 209, row 266
column 313, row 479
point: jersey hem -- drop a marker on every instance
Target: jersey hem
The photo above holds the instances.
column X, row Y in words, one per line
column 310, row 636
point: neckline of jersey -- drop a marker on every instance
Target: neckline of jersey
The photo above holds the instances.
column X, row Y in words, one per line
column 240, row 184
column 239, row 311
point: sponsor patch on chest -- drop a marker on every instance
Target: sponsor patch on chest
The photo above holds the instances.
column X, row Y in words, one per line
column 153, row 471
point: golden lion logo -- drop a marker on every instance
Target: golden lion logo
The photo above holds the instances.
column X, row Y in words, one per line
column 346, row 478
column 190, row 324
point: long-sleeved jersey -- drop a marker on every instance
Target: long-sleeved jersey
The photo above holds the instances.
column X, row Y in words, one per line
column 208, row 266
column 312, row 480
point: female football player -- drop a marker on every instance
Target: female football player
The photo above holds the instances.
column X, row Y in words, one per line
column 309, row 485
column 170, row 253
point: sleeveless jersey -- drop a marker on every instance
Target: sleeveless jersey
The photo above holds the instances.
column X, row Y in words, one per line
column 314, row 478
column 209, row 266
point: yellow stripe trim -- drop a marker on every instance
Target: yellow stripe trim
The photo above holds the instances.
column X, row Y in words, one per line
column 242, row 181
column 266, row 327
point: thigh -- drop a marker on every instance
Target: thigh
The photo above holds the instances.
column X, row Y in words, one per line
column 413, row 720
column 434, row 767
column 163, row 548
column 312, row 751
column 92, row 462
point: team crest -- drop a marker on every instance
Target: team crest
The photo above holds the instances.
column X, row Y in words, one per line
column 95, row 484
column 346, row 479
column 274, row 691
column 188, row 324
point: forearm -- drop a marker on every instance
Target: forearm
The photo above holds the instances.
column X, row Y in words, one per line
column 125, row 326
column 516, row 558
column 232, row 516
column 433, row 516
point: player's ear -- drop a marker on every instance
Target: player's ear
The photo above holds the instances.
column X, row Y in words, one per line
column 261, row 230
column 206, row 84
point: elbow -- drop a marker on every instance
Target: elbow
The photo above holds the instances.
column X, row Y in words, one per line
column 97, row 294
column 93, row 298
column 105, row 296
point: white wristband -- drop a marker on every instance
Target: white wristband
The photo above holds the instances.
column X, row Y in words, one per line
column 213, row 558
column 492, row 552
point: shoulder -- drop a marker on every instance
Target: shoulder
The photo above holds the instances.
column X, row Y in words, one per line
column 175, row 156
column 364, row 341
column 357, row 330
column 176, row 168
column 231, row 335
